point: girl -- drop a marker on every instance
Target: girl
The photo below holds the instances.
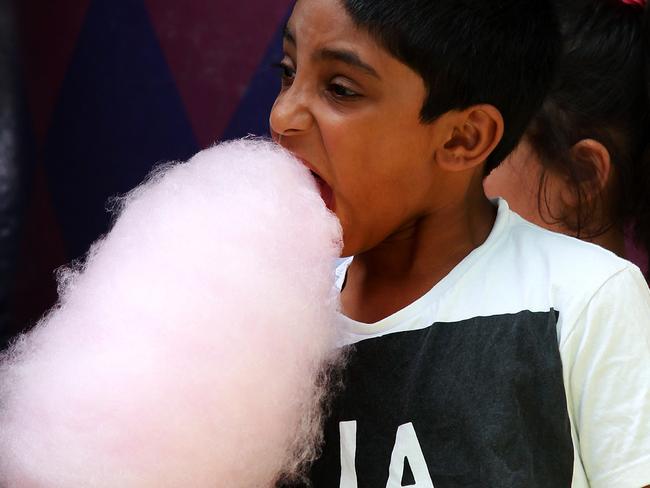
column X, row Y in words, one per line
column 583, row 167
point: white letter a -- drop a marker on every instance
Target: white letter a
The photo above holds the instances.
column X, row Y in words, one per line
column 408, row 446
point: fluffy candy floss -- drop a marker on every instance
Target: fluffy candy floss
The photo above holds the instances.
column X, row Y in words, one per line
column 192, row 347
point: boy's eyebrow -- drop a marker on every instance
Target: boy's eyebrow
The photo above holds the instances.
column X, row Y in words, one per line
column 288, row 35
column 347, row 57
column 342, row 55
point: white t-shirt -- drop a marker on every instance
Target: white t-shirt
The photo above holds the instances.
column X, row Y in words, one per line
column 527, row 366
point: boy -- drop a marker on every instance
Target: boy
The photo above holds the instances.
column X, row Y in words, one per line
column 487, row 351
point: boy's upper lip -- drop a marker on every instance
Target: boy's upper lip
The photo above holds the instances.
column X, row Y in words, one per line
column 324, row 188
column 308, row 165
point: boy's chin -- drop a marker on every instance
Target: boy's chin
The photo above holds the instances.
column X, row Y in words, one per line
column 350, row 249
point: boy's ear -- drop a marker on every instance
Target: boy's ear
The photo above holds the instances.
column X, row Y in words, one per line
column 473, row 134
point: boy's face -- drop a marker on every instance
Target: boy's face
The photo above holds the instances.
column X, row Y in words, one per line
column 351, row 112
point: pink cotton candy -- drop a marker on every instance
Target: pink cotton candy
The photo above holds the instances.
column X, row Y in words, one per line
column 191, row 349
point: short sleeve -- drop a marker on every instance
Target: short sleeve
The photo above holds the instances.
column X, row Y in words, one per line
column 607, row 365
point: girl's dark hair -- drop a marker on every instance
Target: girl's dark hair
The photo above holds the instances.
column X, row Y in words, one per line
column 601, row 92
column 468, row 52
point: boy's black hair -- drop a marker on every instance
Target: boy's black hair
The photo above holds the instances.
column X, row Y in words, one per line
column 602, row 92
column 468, row 52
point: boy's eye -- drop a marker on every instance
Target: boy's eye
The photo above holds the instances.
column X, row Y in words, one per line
column 342, row 92
column 287, row 73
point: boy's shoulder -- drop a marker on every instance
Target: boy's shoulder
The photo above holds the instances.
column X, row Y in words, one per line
column 563, row 259
column 522, row 266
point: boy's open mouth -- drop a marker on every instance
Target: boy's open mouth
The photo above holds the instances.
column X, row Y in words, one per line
column 326, row 192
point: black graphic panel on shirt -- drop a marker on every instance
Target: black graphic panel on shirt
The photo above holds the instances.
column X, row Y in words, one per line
column 477, row 403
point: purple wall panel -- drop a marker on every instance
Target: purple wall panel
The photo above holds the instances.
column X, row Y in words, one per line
column 112, row 88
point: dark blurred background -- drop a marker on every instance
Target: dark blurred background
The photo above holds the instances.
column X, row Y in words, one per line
column 93, row 93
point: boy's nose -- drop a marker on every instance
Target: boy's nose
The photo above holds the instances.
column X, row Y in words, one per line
column 290, row 114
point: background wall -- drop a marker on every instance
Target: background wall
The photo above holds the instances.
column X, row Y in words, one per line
column 108, row 88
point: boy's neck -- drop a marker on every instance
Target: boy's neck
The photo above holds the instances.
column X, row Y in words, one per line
column 405, row 266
